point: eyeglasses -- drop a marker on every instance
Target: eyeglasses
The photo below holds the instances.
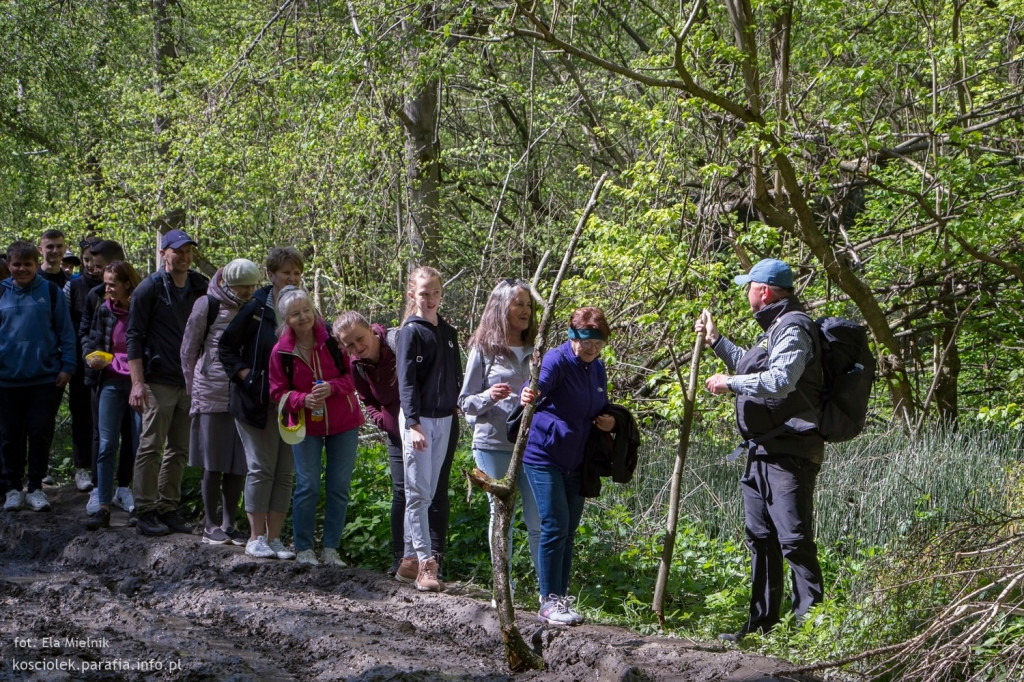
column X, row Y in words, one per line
column 591, row 344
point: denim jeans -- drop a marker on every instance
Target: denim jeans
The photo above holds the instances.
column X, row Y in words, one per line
column 495, row 463
column 560, row 507
column 113, row 404
column 340, row 462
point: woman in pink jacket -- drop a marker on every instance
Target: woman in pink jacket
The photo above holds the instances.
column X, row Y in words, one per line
column 310, row 373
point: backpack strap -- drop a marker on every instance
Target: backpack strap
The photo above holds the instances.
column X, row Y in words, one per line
column 288, row 367
column 335, row 350
column 212, row 309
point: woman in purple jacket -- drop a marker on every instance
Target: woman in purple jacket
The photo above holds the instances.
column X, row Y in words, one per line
column 376, row 381
column 573, row 393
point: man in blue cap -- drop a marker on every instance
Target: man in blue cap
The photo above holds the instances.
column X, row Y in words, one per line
column 777, row 385
column 160, row 308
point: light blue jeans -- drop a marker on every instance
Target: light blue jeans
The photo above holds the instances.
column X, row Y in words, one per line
column 309, row 462
column 112, row 403
column 495, row 463
column 560, row 506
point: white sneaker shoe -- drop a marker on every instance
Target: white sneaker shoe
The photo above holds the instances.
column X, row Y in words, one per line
column 83, row 480
column 124, row 499
column 14, row 501
column 332, row 558
column 260, row 549
column 36, row 500
column 280, row 550
column 308, row 557
column 93, row 505
column 558, row 610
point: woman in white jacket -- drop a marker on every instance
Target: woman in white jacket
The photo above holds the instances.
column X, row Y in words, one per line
column 497, row 370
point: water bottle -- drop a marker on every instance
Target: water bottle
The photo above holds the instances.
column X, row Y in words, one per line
column 317, row 414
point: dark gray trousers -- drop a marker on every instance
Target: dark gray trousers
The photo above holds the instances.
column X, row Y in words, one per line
column 778, row 501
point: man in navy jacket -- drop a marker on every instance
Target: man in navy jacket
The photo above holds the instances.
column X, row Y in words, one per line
column 156, row 325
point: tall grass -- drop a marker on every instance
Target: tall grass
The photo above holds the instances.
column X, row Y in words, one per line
column 870, row 490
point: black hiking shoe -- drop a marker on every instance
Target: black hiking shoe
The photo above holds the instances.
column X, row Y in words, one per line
column 100, row 519
column 150, row 524
column 175, row 523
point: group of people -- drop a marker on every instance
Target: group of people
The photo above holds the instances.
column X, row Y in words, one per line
column 252, row 385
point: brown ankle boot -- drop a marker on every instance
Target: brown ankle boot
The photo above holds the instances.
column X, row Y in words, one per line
column 427, row 580
column 408, row 570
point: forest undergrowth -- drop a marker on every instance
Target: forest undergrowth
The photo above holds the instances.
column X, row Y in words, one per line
column 921, row 540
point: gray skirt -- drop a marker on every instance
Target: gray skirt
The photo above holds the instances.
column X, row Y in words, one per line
column 214, row 444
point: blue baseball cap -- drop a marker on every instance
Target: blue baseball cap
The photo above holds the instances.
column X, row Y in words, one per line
column 768, row 271
column 175, row 239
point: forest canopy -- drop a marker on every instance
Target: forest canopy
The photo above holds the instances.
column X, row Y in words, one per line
column 876, row 145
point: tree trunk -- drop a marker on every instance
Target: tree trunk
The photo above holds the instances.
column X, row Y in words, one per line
column 164, row 52
column 419, row 116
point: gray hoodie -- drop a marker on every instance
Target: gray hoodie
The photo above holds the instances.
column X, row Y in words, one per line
column 486, row 416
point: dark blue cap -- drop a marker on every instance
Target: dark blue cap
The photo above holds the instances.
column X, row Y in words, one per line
column 768, row 271
column 175, row 239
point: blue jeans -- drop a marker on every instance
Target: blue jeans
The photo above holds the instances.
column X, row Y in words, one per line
column 340, row 461
column 560, row 507
column 112, row 404
column 495, row 463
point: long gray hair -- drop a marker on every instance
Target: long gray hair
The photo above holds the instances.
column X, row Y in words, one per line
column 491, row 335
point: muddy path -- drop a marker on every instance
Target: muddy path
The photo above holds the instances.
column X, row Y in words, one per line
column 114, row 605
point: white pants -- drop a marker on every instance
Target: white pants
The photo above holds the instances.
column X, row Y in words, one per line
column 422, row 469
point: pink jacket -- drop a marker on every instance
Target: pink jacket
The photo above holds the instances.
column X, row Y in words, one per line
column 341, row 409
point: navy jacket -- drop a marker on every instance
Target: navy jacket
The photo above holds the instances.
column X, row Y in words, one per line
column 572, row 393
column 156, row 324
column 246, row 344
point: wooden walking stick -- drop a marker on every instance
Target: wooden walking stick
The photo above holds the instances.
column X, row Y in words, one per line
column 677, row 474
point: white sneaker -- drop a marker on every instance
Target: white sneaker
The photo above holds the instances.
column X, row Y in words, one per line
column 93, row 505
column 124, row 499
column 260, row 549
column 557, row 610
column 280, row 550
column 36, row 500
column 14, row 501
column 308, row 557
column 332, row 558
column 83, row 480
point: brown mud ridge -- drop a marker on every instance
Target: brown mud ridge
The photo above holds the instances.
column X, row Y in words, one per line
column 114, row 605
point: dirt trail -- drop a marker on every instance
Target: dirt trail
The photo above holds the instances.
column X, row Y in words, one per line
column 113, row 605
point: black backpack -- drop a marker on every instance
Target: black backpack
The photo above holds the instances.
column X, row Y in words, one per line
column 848, row 368
column 848, row 372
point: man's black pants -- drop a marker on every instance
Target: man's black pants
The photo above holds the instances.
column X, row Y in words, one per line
column 778, row 501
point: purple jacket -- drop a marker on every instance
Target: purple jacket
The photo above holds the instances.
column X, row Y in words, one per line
column 572, row 393
column 377, row 385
